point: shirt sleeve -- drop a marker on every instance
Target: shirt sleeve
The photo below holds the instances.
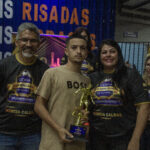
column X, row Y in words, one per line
column 45, row 86
column 135, row 85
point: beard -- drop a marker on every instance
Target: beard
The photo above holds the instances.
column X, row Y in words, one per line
column 27, row 52
column 28, row 55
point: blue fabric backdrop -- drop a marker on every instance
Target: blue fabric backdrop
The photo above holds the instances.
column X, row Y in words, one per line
column 56, row 17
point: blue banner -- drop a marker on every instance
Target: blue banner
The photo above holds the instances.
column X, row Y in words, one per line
column 59, row 17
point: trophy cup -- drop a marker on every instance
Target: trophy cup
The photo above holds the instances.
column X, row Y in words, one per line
column 78, row 129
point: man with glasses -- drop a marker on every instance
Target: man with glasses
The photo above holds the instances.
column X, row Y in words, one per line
column 20, row 75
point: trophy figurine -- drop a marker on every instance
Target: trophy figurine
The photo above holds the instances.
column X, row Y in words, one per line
column 78, row 129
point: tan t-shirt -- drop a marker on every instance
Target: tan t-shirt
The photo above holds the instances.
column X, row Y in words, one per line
column 58, row 86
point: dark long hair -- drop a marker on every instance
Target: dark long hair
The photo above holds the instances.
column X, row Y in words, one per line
column 120, row 69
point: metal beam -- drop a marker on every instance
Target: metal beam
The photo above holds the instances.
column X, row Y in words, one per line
column 140, row 4
column 132, row 19
column 140, row 10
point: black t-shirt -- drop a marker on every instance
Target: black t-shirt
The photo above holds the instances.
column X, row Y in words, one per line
column 18, row 83
column 147, row 88
column 112, row 115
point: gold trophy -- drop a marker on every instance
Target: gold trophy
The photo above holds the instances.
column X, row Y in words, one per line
column 78, row 129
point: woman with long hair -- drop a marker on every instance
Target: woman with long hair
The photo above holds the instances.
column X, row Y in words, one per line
column 117, row 90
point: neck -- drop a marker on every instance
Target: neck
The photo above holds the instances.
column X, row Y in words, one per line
column 109, row 70
column 74, row 67
column 26, row 60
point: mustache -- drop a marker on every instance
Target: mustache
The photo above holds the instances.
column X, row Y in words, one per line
column 27, row 47
column 78, row 55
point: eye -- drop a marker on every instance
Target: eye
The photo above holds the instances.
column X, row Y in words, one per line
column 33, row 40
column 83, row 48
column 74, row 47
column 23, row 39
column 113, row 51
column 26, row 40
column 103, row 52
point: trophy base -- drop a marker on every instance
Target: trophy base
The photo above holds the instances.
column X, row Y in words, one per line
column 76, row 138
column 79, row 133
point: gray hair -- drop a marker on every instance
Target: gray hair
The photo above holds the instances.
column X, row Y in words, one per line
column 28, row 26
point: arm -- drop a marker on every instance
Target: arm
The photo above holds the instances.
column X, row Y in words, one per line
column 141, row 121
column 41, row 110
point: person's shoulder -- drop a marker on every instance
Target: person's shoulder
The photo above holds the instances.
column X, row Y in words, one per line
column 8, row 59
column 52, row 70
column 132, row 71
column 42, row 67
column 95, row 77
column 94, row 74
column 133, row 75
column 86, row 76
column 40, row 62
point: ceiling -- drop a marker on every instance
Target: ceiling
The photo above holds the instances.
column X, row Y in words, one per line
column 134, row 10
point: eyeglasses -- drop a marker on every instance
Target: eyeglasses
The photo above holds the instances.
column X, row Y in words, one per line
column 25, row 40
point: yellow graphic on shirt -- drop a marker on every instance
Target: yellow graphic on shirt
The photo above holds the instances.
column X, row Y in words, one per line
column 21, row 97
column 107, row 93
column 108, row 115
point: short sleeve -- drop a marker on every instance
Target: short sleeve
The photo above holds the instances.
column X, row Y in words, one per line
column 45, row 86
column 135, row 85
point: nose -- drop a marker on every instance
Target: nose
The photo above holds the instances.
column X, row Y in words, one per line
column 108, row 54
column 28, row 42
column 78, row 50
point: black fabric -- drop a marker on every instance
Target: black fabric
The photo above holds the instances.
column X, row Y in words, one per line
column 145, row 139
column 16, row 112
column 117, row 119
column 98, row 142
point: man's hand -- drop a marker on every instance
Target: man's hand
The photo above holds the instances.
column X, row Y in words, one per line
column 63, row 133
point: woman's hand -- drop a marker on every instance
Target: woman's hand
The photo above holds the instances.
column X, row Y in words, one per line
column 134, row 144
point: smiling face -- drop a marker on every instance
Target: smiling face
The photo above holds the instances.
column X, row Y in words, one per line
column 109, row 57
column 76, row 50
column 27, row 43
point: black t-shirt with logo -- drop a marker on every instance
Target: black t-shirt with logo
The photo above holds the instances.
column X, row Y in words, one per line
column 18, row 82
column 112, row 115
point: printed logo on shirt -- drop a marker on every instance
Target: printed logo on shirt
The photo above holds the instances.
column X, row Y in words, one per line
column 21, row 98
column 107, row 93
column 108, row 115
column 75, row 84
